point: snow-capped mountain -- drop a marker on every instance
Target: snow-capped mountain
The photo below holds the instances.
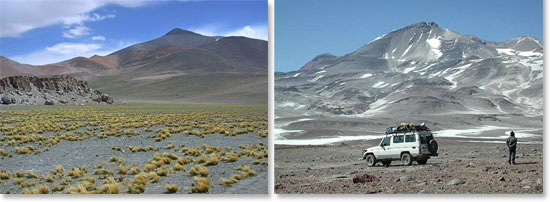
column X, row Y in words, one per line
column 420, row 69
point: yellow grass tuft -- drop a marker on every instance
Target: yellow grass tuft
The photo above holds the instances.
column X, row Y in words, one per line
column 4, row 153
column 44, row 189
column 89, row 179
column 30, row 174
column 75, row 172
column 154, row 177
column 103, row 171
column 49, row 179
column 162, row 171
column 84, row 188
column 4, row 175
column 199, row 170
column 140, row 179
column 214, row 160
column 19, row 174
column 228, row 182
column 109, row 189
column 202, row 159
column 149, row 167
column 171, row 188
column 201, row 185
column 117, row 149
column 179, row 167
column 58, row 169
column 136, row 188
column 122, row 170
column 57, row 188
column 170, row 146
column 171, row 156
column 231, row 157
column 118, row 160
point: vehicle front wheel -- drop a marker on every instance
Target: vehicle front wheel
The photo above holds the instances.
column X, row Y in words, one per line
column 371, row 160
column 422, row 162
column 406, row 159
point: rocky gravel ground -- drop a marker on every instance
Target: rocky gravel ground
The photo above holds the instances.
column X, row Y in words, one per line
column 461, row 168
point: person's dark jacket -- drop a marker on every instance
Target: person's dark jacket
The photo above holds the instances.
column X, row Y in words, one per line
column 511, row 142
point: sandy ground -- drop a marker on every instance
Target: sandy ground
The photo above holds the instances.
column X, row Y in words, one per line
column 91, row 151
column 483, row 167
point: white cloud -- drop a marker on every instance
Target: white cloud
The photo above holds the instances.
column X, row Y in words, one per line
column 73, row 48
column 77, row 31
column 64, row 51
column 98, row 38
column 256, row 32
column 21, row 16
column 250, row 31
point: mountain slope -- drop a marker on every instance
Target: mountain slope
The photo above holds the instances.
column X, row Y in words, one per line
column 420, row 69
column 179, row 54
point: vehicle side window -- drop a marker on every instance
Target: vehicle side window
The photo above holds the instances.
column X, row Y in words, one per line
column 410, row 138
column 386, row 141
column 398, row 139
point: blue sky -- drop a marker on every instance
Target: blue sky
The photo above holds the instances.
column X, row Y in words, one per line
column 307, row 28
column 43, row 32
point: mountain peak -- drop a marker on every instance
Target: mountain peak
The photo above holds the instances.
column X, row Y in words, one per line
column 421, row 24
column 178, row 31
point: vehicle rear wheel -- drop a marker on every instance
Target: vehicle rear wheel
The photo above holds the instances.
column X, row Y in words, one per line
column 406, row 159
column 371, row 160
column 422, row 162
column 432, row 146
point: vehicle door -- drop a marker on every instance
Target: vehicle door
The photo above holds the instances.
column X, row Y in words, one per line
column 385, row 147
column 411, row 144
column 398, row 142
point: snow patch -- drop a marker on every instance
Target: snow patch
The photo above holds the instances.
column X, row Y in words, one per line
column 380, row 84
column 364, row 76
column 297, row 74
column 435, row 43
column 316, row 78
column 466, row 133
column 320, row 72
column 331, row 140
column 407, row 70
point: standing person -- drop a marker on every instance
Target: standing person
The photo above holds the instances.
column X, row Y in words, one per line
column 511, row 142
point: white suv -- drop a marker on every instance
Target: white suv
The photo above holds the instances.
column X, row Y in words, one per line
column 406, row 146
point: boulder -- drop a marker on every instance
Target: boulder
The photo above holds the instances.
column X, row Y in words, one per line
column 456, row 181
column 405, row 178
column 6, row 100
column 525, row 181
column 48, row 102
column 107, row 99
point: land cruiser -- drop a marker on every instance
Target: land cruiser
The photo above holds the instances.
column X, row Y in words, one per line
column 406, row 143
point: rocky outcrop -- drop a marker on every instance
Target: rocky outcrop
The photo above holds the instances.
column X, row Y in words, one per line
column 49, row 91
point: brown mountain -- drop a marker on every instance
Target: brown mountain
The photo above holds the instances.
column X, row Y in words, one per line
column 232, row 69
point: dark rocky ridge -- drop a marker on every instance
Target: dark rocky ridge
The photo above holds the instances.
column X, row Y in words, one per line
column 33, row 90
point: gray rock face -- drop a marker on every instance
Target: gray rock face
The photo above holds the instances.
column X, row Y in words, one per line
column 456, row 181
column 420, row 69
column 34, row 90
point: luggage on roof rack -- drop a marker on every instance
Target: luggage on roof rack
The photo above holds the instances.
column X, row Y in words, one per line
column 404, row 127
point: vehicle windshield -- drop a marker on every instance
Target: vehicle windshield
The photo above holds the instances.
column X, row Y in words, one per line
column 385, row 141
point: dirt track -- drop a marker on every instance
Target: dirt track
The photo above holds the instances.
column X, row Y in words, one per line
column 482, row 166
